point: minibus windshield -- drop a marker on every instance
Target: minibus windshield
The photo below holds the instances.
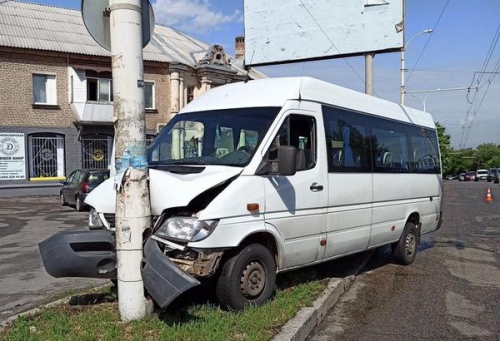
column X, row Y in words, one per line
column 218, row 137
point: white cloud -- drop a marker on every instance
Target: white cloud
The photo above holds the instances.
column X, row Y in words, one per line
column 192, row 16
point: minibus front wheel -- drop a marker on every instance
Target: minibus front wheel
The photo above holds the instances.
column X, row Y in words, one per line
column 247, row 278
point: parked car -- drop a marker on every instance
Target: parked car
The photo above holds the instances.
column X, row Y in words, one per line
column 450, row 177
column 491, row 174
column 481, row 174
column 461, row 177
column 80, row 183
column 496, row 177
column 470, row 176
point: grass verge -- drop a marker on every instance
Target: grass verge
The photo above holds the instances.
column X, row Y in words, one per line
column 94, row 316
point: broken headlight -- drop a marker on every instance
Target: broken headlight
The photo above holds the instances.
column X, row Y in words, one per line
column 186, row 229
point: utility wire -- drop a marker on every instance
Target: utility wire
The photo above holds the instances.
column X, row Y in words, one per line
column 490, row 52
column 490, row 80
column 331, row 42
column 427, row 42
column 467, row 128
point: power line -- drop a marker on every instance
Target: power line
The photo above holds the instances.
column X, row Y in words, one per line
column 427, row 42
column 467, row 128
column 331, row 42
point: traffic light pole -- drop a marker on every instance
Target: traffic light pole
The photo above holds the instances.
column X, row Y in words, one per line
column 133, row 211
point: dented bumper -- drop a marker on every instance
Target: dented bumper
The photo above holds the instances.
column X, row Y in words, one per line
column 162, row 278
column 89, row 254
column 92, row 254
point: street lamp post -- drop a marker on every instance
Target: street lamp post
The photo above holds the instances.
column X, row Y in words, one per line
column 430, row 30
column 423, row 99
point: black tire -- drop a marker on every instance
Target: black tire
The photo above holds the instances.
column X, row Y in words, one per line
column 62, row 199
column 247, row 278
column 79, row 205
column 405, row 250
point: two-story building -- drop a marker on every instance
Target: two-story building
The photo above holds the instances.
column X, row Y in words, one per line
column 56, row 98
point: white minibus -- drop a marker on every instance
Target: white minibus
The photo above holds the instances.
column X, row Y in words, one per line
column 256, row 178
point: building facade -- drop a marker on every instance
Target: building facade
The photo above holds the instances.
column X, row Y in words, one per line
column 56, row 98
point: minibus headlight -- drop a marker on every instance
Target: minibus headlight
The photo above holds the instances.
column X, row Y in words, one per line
column 186, row 229
column 95, row 221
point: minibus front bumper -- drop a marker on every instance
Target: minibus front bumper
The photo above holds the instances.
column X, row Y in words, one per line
column 92, row 254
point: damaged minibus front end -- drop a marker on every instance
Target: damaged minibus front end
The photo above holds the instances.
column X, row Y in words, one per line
column 169, row 266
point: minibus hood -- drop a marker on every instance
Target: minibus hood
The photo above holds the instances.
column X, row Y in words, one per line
column 167, row 189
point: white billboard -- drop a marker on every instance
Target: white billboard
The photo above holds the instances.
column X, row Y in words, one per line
column 278, row 31
column 12, row 156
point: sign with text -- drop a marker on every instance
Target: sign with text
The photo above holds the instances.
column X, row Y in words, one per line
column 12, row 156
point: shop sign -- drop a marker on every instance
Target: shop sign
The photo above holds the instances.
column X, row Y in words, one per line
column 12, row 156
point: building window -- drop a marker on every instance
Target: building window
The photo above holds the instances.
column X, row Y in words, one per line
column 99, row 90
column 44, row 89
column 149, row 95
column 96, row 151
column 46, row 157
column 190, row 94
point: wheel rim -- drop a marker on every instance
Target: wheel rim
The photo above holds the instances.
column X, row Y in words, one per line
column 78, row 203
column 61, row 199
column 410, row 244
column 253, row 279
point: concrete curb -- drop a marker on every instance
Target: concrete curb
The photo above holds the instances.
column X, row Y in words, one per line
column 299, row 327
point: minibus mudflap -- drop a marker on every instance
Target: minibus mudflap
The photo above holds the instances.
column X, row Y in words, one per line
column 163, row 280
column 80, row 254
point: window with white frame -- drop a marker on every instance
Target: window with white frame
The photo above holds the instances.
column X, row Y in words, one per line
column 99, row 90
column 44, row 89
column 149, row 95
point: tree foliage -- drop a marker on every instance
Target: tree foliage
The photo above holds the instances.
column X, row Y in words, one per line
column 456, row 161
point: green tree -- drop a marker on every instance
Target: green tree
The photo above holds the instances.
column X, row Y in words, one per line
column 444, row 148
column 488, row 155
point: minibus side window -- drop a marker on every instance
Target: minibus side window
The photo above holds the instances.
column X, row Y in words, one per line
column 298, row 131
column 347, row 141
column 425, row 155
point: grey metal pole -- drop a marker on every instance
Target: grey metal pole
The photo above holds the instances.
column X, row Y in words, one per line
column 133, row 212
column 369, row 73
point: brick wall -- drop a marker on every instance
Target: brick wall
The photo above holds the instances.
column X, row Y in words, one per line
column 160, row 76
column 16, row 97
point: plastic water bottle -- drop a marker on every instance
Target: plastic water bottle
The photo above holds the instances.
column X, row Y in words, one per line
column 126, row 159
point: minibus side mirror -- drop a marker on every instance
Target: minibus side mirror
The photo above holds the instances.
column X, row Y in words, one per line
column 287, row 164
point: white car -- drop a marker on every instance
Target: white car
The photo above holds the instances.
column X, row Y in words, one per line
column 482, row 174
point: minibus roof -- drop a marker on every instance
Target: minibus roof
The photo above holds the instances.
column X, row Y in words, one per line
column 274, row 92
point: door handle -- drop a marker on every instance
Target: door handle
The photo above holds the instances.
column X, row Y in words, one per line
column 315, row 187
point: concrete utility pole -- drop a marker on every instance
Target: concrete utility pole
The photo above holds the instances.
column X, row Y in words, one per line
column 403, row 66
column 133, row 210
column 369, row 73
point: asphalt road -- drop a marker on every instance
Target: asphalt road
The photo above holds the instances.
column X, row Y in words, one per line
column 24, row 222
column 451, row 292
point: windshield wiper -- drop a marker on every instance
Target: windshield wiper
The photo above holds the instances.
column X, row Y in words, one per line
column 184, row 162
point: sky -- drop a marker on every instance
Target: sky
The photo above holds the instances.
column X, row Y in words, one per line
column 464, row 35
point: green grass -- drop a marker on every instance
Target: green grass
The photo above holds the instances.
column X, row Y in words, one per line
column 181, row 321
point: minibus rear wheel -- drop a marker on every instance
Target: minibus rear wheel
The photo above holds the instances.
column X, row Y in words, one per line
column 405, row 250
column 247, row 278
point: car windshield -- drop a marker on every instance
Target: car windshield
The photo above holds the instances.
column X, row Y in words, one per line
column 218, row 137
